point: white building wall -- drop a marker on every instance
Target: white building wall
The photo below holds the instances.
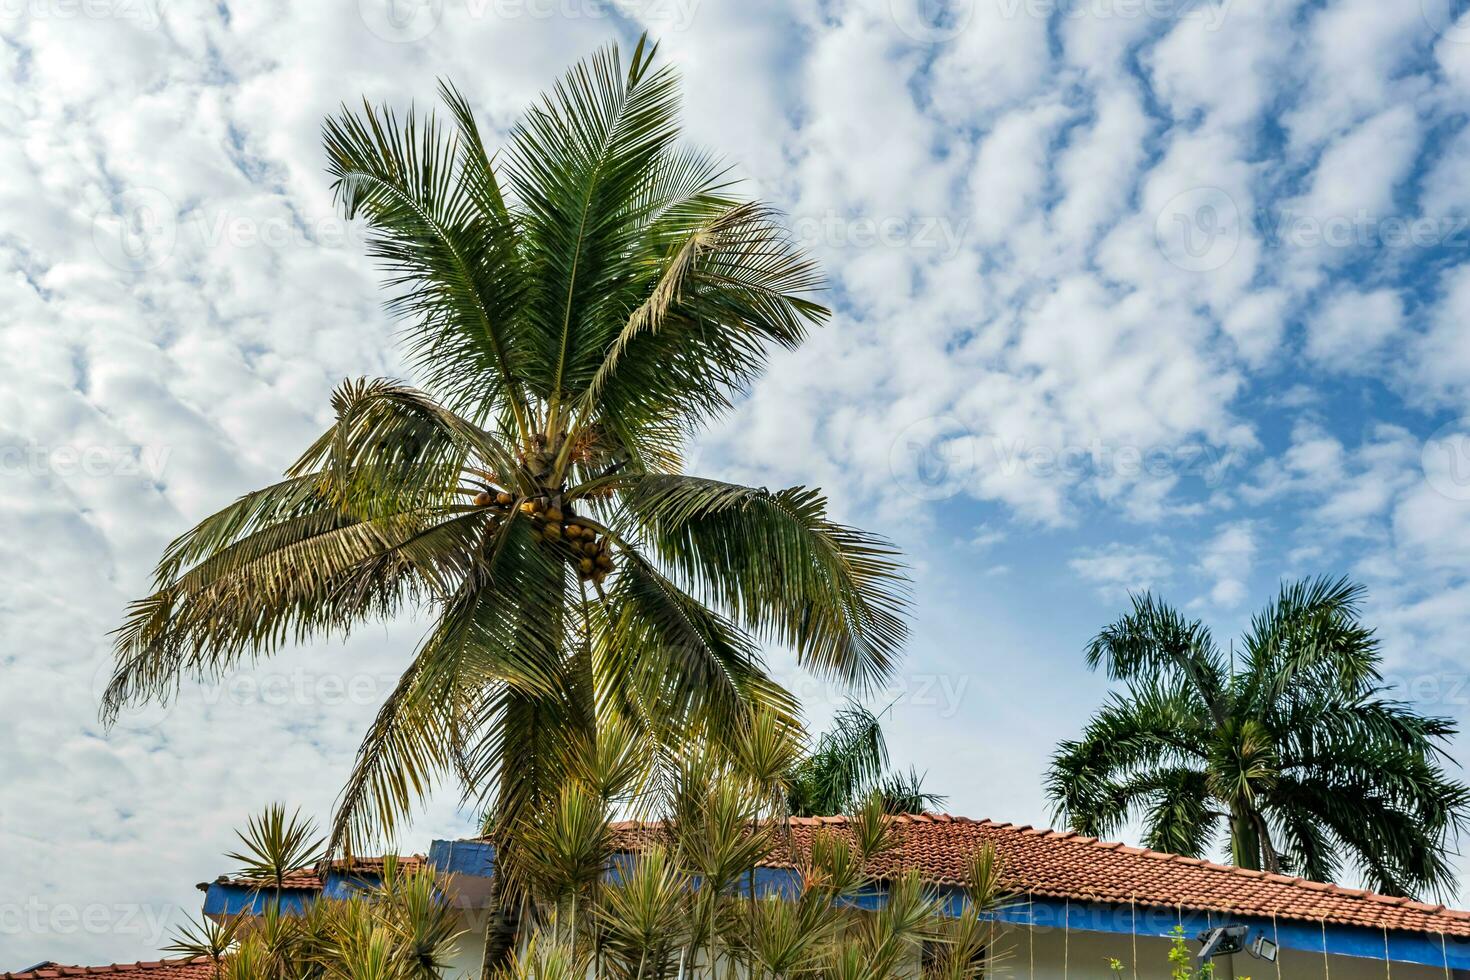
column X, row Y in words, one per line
column 1053, row 955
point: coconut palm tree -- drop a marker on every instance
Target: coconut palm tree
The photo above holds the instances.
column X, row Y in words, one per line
column 576, row 304
column 1290, row 744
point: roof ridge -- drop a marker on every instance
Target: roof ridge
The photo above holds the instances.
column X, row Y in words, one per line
column 1274, row 877
column 1212, row 882
column 51, row 968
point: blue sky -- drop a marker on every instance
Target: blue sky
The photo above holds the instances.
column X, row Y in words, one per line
column 1130, row 294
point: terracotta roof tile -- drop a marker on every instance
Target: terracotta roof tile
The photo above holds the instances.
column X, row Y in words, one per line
column 310, row 879
column 1066, row 865
column 194, row 968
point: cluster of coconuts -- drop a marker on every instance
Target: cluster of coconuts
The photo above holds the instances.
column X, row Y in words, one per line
column 589, row 552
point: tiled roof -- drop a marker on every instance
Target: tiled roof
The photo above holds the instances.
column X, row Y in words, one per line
column 1058, row 865
column 310, row 879
column 193, row 968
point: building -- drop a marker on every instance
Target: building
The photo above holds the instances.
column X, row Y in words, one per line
column 1078, row 903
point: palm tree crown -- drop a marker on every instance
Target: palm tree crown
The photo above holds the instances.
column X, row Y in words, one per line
column 1294, row 747
column 576, row 305
column 847, row 765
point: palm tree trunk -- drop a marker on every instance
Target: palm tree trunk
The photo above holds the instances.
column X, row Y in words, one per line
column 501, row 929
column 1245, row 841
column 1271, row 861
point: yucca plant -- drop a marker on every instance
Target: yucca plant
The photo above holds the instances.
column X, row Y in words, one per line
column 206, row 939
column 400, row 929
column 645, row 918
column 275, row 845
column 681, row 904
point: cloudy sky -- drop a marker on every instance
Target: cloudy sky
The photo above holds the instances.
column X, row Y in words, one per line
column 1131, row 294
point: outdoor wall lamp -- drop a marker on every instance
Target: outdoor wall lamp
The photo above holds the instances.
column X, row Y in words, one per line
column 1228, row 940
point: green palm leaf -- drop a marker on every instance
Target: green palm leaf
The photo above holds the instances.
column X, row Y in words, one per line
column 1296, row 754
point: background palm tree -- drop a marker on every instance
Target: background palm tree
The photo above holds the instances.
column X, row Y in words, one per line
column 847, row 764
column 1291, row 746
column 576, row 306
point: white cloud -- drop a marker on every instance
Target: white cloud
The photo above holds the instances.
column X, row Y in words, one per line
column 1227, row 560
column 1361, row 170
column 1349, row 329
column 1440, row 357
column 986, row 537
column 1120, row 569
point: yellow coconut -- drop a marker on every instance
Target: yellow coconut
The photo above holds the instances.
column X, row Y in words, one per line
column 585, row 565
column 503, row 499
column 483, row 498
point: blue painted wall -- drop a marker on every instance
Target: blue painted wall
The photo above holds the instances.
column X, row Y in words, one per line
column 477, row 859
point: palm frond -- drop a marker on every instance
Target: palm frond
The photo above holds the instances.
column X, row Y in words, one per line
column 1155, row 639
column 847, row 761
column 451, row 256
column 576, row 165
column 499, row 633
column 834, row 593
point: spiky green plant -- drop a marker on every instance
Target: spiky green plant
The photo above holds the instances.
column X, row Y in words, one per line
column 275, row 845
column 672, row 907
column 207, row 939
column 682, row 905
column 1290, row 742
column 400, row 929
column 644, row 918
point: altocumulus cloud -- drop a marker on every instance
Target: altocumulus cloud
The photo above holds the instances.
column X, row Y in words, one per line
column 1155, row 294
